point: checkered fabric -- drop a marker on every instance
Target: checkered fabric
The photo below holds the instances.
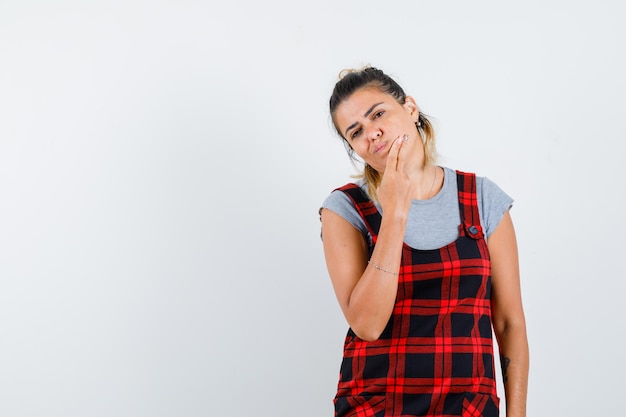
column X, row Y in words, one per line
column 435, row 356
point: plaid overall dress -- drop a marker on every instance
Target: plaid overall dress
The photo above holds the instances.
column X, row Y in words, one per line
column 435, row 356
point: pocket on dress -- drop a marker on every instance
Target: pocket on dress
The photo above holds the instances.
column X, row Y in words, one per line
column 481, row 405
column 361, row 406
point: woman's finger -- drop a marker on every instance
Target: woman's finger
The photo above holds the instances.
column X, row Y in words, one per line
column 392, row 158
column 400, row 157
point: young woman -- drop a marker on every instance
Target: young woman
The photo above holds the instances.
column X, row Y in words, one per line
column 423, row 261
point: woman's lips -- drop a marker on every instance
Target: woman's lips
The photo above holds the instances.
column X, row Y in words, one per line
column 380, row 147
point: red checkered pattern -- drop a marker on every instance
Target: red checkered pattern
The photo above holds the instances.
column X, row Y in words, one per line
column 435, row 356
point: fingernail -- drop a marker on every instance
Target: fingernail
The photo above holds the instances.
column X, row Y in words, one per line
column 406, row 138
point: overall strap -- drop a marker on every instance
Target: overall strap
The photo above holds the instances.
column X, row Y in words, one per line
column 366, row 208
column 468, row 205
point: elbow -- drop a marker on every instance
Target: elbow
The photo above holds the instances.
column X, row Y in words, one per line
column 504, row 328
column 367, row 331
column 368, row 336
column 369, row 324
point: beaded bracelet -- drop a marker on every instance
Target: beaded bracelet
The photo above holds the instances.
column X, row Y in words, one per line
column 380, row 268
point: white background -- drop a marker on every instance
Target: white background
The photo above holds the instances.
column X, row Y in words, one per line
column 162, row 164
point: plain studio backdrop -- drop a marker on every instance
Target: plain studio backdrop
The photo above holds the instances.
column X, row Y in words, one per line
column 162, row 164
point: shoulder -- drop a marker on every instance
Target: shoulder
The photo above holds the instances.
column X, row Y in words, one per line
column 485, row 187
column 493, row 202
column 339, row 202
column 339, row 197
column 491, row 193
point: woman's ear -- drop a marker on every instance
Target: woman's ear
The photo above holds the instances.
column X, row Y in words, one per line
column 411, row 106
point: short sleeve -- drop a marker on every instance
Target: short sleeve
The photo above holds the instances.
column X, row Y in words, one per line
column 493, row 203
column 339, row 203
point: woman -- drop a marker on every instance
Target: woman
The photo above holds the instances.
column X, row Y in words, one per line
column 423, row 261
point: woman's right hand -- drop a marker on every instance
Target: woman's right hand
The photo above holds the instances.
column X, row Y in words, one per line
column 394, row 192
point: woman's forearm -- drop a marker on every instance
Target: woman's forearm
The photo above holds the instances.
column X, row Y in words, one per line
column 372, row 300
column 514, row 359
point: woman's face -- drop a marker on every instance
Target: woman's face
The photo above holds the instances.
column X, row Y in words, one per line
column 371, row 120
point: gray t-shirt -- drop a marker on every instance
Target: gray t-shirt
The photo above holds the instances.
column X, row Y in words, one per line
column 433, row 223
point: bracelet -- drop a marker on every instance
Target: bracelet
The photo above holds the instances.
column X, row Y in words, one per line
column 380, row 268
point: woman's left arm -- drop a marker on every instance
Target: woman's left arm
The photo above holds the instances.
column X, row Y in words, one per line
column 508, row 316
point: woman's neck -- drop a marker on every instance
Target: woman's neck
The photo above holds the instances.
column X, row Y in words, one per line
column 427, row 181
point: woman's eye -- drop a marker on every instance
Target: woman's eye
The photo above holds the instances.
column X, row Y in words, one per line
column 355, row 134
column 378, row 114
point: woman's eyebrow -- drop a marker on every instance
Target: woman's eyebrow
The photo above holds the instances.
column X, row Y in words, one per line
column 367, row 113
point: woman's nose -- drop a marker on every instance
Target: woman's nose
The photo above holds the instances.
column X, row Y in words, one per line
column 374, row 133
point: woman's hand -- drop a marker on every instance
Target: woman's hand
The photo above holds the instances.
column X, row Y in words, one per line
column 394, row 192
